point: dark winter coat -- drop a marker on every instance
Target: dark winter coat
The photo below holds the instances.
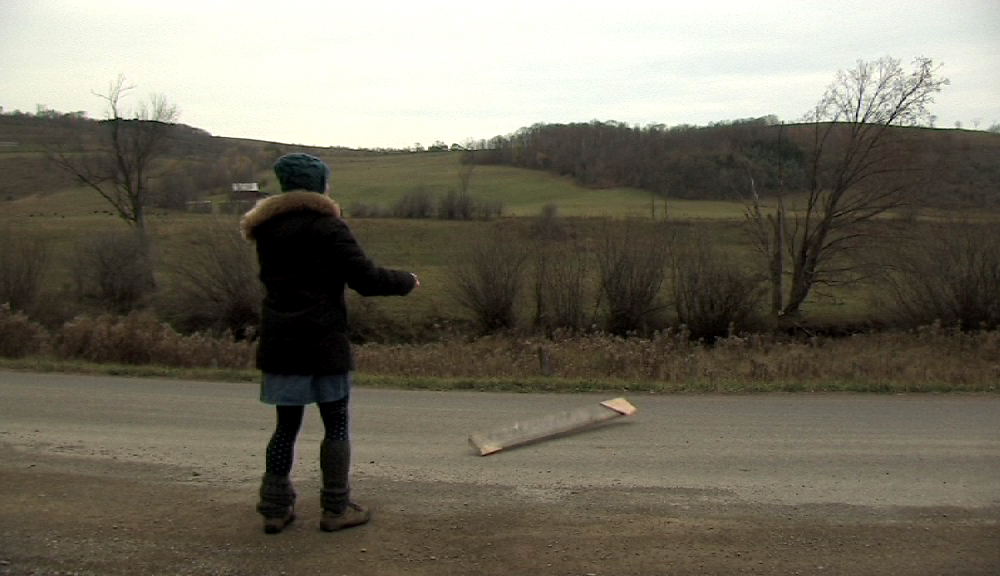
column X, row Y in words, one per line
column 307, row 256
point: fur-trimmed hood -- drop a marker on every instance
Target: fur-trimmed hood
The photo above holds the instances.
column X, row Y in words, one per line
column 290, row 201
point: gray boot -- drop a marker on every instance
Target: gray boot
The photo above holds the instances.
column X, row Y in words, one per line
column 335, row 497
column 277, row 502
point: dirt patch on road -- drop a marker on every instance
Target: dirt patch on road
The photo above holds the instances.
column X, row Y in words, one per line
column 86, row 517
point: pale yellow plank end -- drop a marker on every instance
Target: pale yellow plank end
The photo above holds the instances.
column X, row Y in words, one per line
column 620, row 405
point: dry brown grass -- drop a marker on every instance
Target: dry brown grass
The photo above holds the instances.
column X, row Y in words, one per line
column 932, row 359
column 140, row 338
column 135, row 339
column 19, row 335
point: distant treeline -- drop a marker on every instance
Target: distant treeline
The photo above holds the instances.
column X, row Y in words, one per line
column 718, row 162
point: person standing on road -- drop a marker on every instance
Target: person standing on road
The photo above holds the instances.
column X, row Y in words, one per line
column 308, row 256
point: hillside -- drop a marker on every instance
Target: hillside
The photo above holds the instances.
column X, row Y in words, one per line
column 944, row 169
column 587, row 168
column 76, row 226
column 203, row 166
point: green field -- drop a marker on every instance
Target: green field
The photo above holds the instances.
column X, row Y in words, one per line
column 384, row 179
column 67, row 217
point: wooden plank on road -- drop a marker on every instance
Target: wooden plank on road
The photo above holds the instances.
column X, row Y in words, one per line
column 548, row 426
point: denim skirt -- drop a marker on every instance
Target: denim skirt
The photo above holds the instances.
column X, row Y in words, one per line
column 302, row 389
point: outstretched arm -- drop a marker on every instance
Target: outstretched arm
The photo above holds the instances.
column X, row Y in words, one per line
column 362, row 274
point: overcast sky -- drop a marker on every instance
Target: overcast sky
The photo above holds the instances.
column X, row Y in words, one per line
column 372, row 73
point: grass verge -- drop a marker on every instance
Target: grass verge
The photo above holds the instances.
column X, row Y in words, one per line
column 538, row 384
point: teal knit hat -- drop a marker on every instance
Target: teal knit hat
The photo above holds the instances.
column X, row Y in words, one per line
column 301, row 172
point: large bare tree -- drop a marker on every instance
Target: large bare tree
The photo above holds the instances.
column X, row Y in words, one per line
column 858, row 168
column 129, row 145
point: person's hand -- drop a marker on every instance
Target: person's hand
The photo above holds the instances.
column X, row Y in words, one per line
column 416, row 281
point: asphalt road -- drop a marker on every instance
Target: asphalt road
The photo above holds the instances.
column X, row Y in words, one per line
column 790, row 449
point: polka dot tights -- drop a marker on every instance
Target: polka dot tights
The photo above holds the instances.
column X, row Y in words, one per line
column 281, row 448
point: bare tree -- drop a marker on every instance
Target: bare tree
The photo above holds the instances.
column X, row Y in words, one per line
column 120, row 170
column 766, row 233
column 950, row 273
column 129, row 146
column 562, row 267
column 215, row 286
column 23, row 262
column 489, row 281
column 713, row 294
column 632, row 266
column 858, row 169
column 466, row 165
column 111, row 272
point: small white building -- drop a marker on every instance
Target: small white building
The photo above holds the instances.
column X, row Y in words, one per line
column 245, row 191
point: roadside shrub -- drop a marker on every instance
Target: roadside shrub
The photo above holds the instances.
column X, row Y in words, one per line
column 54, row 307
column 112, row 272
column 417, row 203
column 488, row 282
column 108, row 339
column 23, row 262
column 364, row 210
column 140, row 338
column 712, row 296
column 548, row 225
column 631, row 266
column 420, row 203
column 562, row 273
column 486, row 209
column 19, row 336
column 951, row 275
column 455, row 206
column 459, row 206
column 215, row 287
column 368, row 322
column 371, row 323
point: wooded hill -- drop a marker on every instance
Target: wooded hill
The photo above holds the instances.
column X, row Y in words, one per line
column 951, row 169
column 954, row 169
column 195, row 165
